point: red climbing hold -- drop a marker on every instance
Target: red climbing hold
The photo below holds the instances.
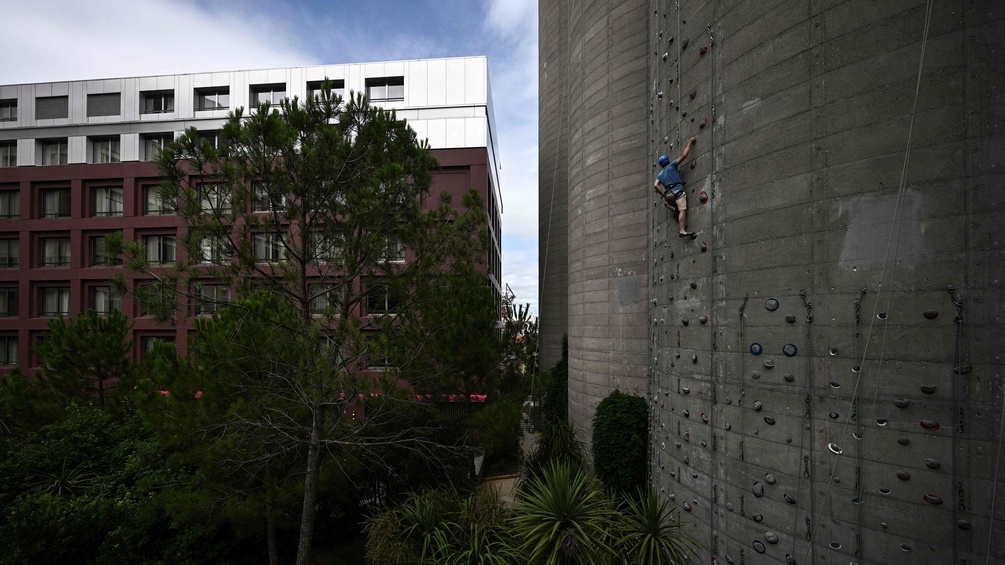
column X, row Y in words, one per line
column 702, row 51
column 704, row 122
column 704, row 247
column 703, row 197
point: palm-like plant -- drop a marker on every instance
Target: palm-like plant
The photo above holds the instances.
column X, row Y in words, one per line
column 649, row 533
column 416, row 532
column 564, row 518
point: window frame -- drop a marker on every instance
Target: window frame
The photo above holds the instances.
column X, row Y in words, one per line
column 204, row 94
column 166, row 207
column 64, row 203
column 114, row 301
column 9, row 302
column 62, row 297
column 385, row 83
column 261, row 200
column 7, row 244
column 8, row 110
column 64, row 251
column 150, row 100
column 210, row 254
column 95, row 250
column 214, row 198
column 314, row 87
column 62, row 146
column 106, row 149
column 161, row 241
column 390, row 302
column 109, row 202
column 272, row 241
column 162, row 140
column 8, row 153
column 272, row 89
column 8, row 345
column 209, row 303
column 11, row 200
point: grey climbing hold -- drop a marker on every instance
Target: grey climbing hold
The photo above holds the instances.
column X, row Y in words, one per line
column 882, row 422
column 670, row 40
column 930, row 314
column 755, row 375
column 789, row 559
column 687, row 413
column 693, row 94
column 963, row 524
column 703, row 320
column 903, row 441
column 963, row 369
column 790, row 319
column 685, row 390
column 904, row 547
column 881, row 315
column 694, row 358
column 758, row 406
column 833, row 351
column 901, row 403
column 665, row 55
column 788, row 498
column 659, row 95
column 835, row 449
column 769, row 363
column 835, row 545
column 758, row 489
column 884, row 491
column 788, row 440
column 771, row 537
column 771, row 304
column 834, row 415
column 684, row 321
column 728, row 426
column 928, row 389
column 835, row 384
column 729, row 506
column 683, row 44
column 769, row 478
column 758, row 546
column 769, row 420
column 789, row 378
column 728, row 399
column 755, row 348
column 694, row 285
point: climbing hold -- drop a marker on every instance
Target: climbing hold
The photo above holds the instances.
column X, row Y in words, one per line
column 728, row 400
column 769, row 420
column 728, row 426
column 835, row 545
column 903, row 475
column 789, row 350
column 835, row 384
column 703, row 197
column 834, row 448
column 757, row 489
column 833, row 351
column 904, row 547
column 856, row 435
column 694, row 358
column 693, row 94
column 789, row 559
column 771, row 304
column 704, row 246
column 932, row 464
column 684, row 321
column 703, row 320
column 659, row 95
column 901, row 403
column 686, row 390
column 932, row 499
column 687, row 413
column 755, row 348
column 757, row 517
column 834, row 415
column 881, row 315
column 771, row 537
column 789, row 378
column 693, row 164
column 702, row 50
column 882, row 422
column 930, row 314
column 704, row 417
column 930, row 425
column 884, row 491
column 687, row 506
column 769, row 478
column 758, row 546
column 758, row 406
column 769, row 363
column 755, row 375
column 665, row 55
column 788, row 498
column 928, row 389
column 670, row 40
column 687, row 437
column 704, row 122
column 683, row 44
column 694, row 284
column 903, row 441
column 963, row 369
column 963, row 524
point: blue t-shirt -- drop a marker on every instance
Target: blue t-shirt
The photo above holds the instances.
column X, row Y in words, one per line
column 669, row 177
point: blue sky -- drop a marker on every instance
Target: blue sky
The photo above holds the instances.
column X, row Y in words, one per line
column 54, row 40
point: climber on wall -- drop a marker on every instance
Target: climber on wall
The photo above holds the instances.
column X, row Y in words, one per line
column 673, row 188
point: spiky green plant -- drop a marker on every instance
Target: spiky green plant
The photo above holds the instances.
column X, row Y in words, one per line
column 649, row 535
column 564, row 518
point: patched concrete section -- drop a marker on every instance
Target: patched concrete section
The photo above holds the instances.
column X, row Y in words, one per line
column 884, row 226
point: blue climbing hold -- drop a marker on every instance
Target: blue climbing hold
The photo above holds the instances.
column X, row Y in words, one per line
column 789, row 350
column 755, row 348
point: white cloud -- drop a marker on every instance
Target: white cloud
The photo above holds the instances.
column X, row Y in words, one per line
column 56, row 40
column 511, row 17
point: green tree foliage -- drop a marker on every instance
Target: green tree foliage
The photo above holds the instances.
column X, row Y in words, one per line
column 649, row 534
column 85, row 356
column 519, row 365
column 555, row 407
column 313, row 204
column 621, row 441
column 498, row 426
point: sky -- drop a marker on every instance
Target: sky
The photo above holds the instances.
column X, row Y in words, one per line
column 57, row 40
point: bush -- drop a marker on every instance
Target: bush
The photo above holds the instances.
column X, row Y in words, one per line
column 499, row 427
column 620, row 440
column 555, row 406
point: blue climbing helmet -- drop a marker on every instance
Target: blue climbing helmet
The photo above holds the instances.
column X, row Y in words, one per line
column 664, row 160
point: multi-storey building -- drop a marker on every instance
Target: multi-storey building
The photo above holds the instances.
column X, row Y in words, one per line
column 75, row 166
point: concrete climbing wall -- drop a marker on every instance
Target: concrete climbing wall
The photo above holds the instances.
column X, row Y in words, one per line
column 825, row 359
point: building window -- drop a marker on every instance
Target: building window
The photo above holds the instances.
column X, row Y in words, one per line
column 376, row 354
column 214, row 251
column 213, row 199
column 271, row 93
column 211, row 137
column 265, row 200
column 55, row 202
column 154, row 202
column 212, row 297
column 105, row 149
column 314, row 87
column 323, row 297
column 104, row 300
column 106, row 201
column 104, row 104
column 385, row 88
column 10, row 253
column 52, row 107
column 100, row 257
column 54, row 151
column 8, row 350
column 153, row 144
column 216, row 98
column 54, row 301
column 381, row 299
column 8, row 153
column 8, row 110
column 10, row 204
column 148, row 342
column 267, row 247
column 157, row 102
column 393, row 251
column 326, row 248
column 8, row 303
column 161, row 249
column 55, row 251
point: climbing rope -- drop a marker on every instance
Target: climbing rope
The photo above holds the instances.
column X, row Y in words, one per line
column 894, row 229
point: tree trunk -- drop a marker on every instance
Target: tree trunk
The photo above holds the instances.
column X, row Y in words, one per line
column 310, row 492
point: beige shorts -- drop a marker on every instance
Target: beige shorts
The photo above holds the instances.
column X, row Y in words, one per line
column 682, row 202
